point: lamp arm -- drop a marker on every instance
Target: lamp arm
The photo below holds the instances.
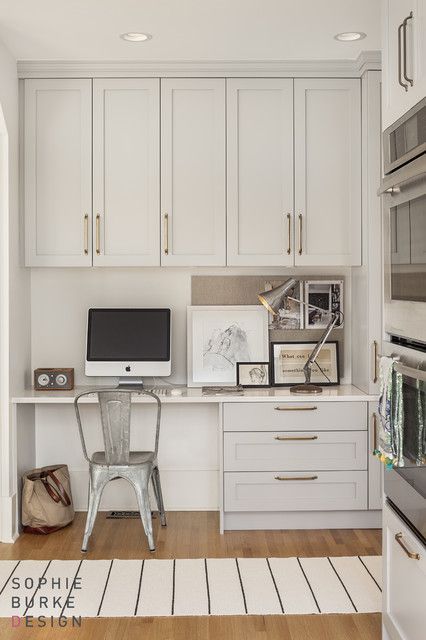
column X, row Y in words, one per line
column 313, row 355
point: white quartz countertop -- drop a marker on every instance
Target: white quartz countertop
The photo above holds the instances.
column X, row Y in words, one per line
column 340, row 393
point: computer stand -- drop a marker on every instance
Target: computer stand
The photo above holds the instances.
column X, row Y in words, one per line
column 130, row 382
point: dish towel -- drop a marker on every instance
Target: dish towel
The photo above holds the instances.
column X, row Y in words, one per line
column 391, row 413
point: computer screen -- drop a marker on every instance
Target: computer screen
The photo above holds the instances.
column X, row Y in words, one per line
column 124, row 339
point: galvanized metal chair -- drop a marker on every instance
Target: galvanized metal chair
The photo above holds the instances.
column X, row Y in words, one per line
column 117, row 461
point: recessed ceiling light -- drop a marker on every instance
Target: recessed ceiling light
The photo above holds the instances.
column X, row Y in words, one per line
column 134, row 36
column 349, row 36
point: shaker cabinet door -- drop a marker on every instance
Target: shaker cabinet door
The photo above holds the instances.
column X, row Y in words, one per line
column 260, row 171
column 327, row 172
column 403, row 56
column 193, row 206
column 58, row 181
column 126, row 172
column 404, row 579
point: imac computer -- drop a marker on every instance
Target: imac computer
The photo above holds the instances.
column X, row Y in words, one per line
column 129, row 343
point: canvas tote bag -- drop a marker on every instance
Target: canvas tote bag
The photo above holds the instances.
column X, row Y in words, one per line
column 46, row 499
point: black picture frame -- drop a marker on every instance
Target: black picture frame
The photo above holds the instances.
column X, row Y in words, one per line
column 301, row 379
column 253, row 364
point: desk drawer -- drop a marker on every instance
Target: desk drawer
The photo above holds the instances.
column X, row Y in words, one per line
column 320, row 491
column 321, row 450
column 295, row 416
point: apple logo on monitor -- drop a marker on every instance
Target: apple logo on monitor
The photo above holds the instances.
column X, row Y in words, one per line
column 128, row 368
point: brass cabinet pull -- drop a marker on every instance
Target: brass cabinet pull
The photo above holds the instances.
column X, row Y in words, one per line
column 289, row 234
column 86, row 234
column 300, row 234
column 376, row 357
column 166, row 234
column 296, row 477
column 98, row 234
column 283, row 438
column 400, row 28
column 374, row 432
column 313, row 408
column 411, row 554
column 404, row 68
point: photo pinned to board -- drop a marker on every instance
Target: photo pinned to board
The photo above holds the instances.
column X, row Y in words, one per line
column 327, row 298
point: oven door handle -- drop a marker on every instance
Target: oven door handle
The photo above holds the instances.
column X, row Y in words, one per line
column 411, row 172
column 410, row 372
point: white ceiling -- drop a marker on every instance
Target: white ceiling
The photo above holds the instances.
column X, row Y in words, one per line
column 187, row 29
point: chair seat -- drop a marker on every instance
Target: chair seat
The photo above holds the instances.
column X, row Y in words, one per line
column 135, row 457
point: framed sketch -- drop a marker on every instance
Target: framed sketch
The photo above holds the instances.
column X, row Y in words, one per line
column 291, row 314
column 253, row 374
column 220, row 336
column 288, row 360
column 326, row 295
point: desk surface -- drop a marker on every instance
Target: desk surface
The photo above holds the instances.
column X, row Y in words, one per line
column 339, row 393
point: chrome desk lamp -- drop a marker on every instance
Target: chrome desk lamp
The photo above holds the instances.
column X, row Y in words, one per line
column 273, row 301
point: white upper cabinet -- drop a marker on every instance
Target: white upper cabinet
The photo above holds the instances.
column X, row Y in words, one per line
column 260, row 171
column 266, row 173
column 193, row 172
column 126, row 172
column 404, row 57
column 327, row 137
column 58, row 181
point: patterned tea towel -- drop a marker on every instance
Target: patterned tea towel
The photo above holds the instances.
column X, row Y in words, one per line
column 390, row 435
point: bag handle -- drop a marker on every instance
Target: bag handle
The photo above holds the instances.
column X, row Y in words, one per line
column 57, row 493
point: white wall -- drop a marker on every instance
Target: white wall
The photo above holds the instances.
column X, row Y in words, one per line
column 15, row 293
column 60, row 299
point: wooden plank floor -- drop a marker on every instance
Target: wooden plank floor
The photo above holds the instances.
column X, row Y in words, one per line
column 192, row 535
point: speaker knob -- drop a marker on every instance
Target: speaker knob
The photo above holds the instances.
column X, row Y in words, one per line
column 43, row 380
column 61, row 379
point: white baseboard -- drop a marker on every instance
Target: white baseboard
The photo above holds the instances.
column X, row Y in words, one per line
column 303, row 520
column 9, row 519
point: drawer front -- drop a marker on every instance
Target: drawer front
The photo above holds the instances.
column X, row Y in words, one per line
column 294, row 450
column 299, row 491
column 295, row 416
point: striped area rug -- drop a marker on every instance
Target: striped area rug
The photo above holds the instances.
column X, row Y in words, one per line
column 190, row 587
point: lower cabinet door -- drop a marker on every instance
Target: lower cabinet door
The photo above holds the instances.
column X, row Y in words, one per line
column 295, row 491
column 404, row 566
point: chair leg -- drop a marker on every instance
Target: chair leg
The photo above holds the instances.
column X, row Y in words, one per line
column 159, row 495
column 141, row 489
column 97, row 482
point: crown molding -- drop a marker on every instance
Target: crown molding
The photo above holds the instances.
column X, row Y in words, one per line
column 366, row 61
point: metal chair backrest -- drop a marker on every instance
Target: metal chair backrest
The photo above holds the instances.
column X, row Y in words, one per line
column 115, row 409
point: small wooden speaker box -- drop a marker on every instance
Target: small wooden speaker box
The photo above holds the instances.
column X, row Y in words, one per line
column 53, row 379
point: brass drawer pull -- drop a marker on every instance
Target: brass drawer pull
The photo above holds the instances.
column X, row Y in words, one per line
column 295, row 408
column 296, row 477
column 283, row 438
column 86, row 234
column 98, row 234
column 300, row 234
column 166, row 234
column 289, row 234
column 374, row 432
column 376, row 358
column 410, row 554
